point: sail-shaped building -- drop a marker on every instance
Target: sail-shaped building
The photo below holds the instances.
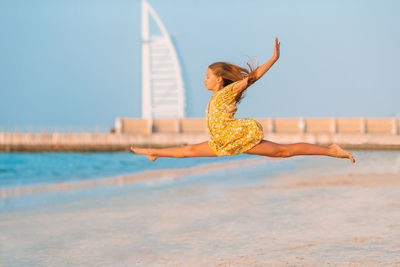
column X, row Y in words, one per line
column 162, row 83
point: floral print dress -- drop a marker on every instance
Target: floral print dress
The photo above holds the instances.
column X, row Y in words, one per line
column 230, row 136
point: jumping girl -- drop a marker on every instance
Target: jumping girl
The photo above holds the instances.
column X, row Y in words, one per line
column 230, row 136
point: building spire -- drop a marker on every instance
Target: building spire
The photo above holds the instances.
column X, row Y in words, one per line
column 162, row 83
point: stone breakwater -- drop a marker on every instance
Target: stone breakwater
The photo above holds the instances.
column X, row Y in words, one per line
column 351, row 133
column 10, row 142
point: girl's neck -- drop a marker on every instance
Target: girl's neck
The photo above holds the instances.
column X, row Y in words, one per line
column 217, row 89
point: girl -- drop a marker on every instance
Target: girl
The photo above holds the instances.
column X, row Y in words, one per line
column 230, row 136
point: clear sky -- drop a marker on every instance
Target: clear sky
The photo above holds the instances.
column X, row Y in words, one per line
column 77, row 62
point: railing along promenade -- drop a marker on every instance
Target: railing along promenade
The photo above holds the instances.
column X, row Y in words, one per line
column 353, row 133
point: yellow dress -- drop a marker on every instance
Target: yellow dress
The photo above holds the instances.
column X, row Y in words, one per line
column 230, row 136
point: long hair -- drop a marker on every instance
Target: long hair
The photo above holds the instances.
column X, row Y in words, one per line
column 231, row 73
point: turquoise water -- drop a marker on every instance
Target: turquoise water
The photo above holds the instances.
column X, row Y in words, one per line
column 29, row 169
column 25, row 169
column 22, row 169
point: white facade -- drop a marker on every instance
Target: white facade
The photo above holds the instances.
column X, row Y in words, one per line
column 162, row 83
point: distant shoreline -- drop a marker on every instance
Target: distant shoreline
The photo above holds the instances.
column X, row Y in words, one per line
column 350, row 133
column 86, row 142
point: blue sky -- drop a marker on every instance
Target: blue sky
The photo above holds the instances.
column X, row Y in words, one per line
column 77, row 62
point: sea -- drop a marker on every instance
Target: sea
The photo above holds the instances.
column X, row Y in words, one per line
column 26, row 169
column 29, row 170
column 22, row 169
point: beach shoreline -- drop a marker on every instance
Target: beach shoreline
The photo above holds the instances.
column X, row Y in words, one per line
column 302, row 217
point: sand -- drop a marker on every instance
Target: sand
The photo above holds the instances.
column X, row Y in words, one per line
column 292, row 219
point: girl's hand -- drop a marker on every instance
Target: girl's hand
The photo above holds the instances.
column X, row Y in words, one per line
column 277, row 49
column 260, row 71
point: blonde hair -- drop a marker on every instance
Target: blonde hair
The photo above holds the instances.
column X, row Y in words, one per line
column 231, row 73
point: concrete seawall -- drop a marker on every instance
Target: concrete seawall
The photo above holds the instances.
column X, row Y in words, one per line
column 122, row 142
column 356, row 133
column 390, row 126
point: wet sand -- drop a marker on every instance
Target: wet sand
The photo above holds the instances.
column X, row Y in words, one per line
column 293, row 219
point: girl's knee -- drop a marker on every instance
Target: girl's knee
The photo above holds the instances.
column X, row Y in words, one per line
column 188, row 151
column 284, row 151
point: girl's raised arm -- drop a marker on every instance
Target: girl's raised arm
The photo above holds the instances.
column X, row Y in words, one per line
column 260, row 71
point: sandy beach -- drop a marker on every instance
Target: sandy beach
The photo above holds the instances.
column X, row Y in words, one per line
column 345, row 216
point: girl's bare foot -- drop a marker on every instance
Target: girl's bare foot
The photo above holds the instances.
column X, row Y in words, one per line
column 144, row 151
column 341, row 153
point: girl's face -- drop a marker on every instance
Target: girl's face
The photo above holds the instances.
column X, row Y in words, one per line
column 212, row 81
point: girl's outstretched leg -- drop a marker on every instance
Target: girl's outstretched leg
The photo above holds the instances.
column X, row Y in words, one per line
column 267, row 148
column 198, row 150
